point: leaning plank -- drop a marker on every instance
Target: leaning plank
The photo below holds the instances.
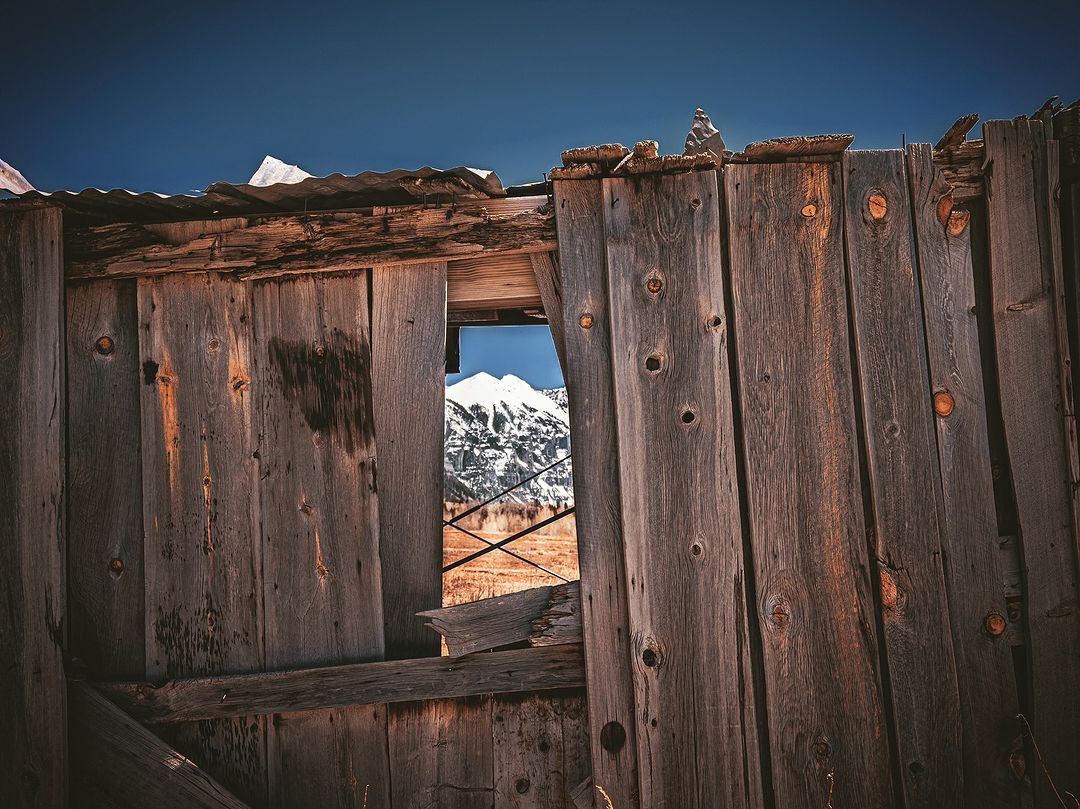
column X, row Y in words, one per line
column 1036, row 407
column 267, row 246
column 826, row 714
column 200, row 505
column 408, row 354
column 33, row 710
column 901, row 456
column 612, row 721
column 132, row 766
column 549, row 282
column 388, row 681
column 320, row 527
column 542, row 616
column 977, row 608
column 679, row 499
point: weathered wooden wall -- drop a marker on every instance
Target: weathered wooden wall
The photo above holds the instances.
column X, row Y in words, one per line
column 883, row 624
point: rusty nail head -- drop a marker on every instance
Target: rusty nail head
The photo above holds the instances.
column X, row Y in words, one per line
column 877, row 205
column 586, row 320
column 105, row 345
column 944, row 403
column 654, row 285
column 995, row 624
column 116, row 565
column 809, row 210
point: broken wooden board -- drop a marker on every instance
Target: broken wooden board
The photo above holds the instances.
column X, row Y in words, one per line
column 826, row 713
column 541, row 616
column 776, row 150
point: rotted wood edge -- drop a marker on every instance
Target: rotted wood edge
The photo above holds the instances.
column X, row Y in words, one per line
column 541, row 616
column 514, row 670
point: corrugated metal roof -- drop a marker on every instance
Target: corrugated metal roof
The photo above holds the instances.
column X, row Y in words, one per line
column 398, row 187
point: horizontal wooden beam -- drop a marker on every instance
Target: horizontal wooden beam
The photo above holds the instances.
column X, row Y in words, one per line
column 533, row 669
column 255, row 247
column 541, row 616
column 492, row 282
column 117, row 757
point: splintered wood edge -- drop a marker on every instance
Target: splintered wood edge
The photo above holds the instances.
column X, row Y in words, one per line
column 576, row 171
column 956, row 133
column 796, row 146
column 606, row 153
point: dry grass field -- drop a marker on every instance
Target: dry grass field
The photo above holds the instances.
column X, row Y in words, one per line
column 497, row 573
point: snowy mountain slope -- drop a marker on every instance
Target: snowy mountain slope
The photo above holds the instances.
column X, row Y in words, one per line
column 499, row 431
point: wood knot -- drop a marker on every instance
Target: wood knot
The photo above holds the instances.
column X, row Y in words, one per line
column 779, row 614
column 586, row 320
column 116, row 566
column 104, row 345
column 889, row 592
column 994, row 624
column 958, row 221
column 944, row 403
column 653, row 363
column 944, row 208
column 809, row 210
column 877, row 205
column 613, row 737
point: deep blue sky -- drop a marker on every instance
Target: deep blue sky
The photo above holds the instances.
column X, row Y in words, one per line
column 173, row 96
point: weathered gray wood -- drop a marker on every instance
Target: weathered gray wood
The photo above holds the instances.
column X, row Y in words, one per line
column 541, row 750
column 104, row 480
column 320, row 528
column 441, row 754
column 200, row 506
column 540, row 616
column 679, row 498
column 549, row 282
column 509, row 671
column 33, row 704
column 408, row 344
column 826, row 717
column 987, row 686
column 267, row 246
column 1036, row 407
column 11, row 179
column 582, row 258
column 132, row 767
column 962, row 165
column 902, row 464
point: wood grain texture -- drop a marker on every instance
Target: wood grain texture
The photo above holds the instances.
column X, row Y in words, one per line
column 491, row 282
column 320, row 528
column 129, row 766
column 826, row 718
column 268, row 246
column 200, row 506
column 987, row 686
column 696, row 728
column 902, row 464
column 539, row 616
column 612, row 719
column 408, row 343
column 33, row 702
column 104, row 480
column 1037, row 411
column 549, row 282
column 441, row 754
column 541, row 750
column 509, row 671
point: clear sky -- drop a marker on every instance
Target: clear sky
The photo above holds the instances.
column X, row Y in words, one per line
column 173, row 96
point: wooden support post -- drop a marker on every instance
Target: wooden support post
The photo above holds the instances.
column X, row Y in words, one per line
column 33, row 701
column 826, row 714
column 682, row 530
column 902, row 465
column 549, row 282
column 612, row 719
column 1040, row 430
column 977, row 609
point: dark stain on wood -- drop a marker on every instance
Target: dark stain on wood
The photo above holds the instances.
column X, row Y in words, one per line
column 328, row 382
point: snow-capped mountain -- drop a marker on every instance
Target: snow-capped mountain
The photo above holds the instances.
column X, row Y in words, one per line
column 499, row 431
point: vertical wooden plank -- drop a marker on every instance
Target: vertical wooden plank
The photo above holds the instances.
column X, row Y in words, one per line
column 987, row 686
column 320, row 529
column 33, row 691
column 408, row 334
column 612, row 723
column 549, row 282
column 105, row 549
column 826, row 715
column 200, row 509
column 540, row 749
column 1036, row 407
column 440, row 753
column 679, row 496
column 901, row 456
